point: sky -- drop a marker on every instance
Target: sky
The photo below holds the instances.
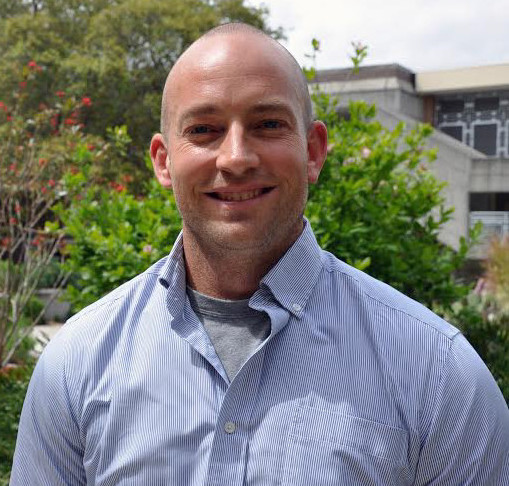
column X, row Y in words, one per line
column 422, row 35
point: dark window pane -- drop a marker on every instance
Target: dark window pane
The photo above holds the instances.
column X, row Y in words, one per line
column 482, row 201
column 486, row 104
column 489, row 201
column 485, row 138
column 452, row 106
column 454, row 132
column 502, row 201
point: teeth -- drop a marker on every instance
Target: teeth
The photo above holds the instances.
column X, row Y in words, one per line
column 238, row 196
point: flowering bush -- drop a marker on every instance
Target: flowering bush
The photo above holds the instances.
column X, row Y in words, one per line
column 38, row 146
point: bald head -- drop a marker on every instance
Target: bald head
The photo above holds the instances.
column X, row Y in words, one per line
column 265, row 46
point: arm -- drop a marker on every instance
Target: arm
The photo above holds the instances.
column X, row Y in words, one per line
column 467, row 441
column 48, row 448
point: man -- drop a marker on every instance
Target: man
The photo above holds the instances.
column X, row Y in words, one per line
column 249, row 356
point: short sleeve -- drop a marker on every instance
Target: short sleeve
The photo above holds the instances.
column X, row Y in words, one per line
column 467, row 442
column 48, row 448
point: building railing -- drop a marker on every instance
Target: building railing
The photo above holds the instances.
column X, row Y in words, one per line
column 495, row 224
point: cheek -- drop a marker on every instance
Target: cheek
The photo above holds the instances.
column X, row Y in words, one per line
column 188, row 162
column 288, row 162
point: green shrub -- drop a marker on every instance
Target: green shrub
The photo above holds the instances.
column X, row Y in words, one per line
column 115, row 236
column 497, row 272
column 379, row 207
column 488, row 332
column 13, row 387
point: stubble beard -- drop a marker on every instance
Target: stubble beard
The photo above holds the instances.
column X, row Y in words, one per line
column 247, row 241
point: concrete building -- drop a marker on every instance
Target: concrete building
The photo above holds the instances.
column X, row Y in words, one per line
column 470, row 110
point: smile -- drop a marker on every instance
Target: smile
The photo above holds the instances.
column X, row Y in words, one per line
column 239, row 196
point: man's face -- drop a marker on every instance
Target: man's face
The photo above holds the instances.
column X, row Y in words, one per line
column 237, row 152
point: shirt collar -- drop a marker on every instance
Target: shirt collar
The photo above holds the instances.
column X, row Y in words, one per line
column 293, row 278
column 173, row 277
column 290, row 281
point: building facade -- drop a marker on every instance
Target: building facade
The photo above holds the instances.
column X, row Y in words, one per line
column 469, row 109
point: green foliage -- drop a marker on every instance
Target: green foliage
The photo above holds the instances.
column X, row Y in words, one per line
column 487, row 329
column 117, row 51
column 115, row 236
column 360, row 53
column 497, row 272
column 13, row 387
column 378, row 207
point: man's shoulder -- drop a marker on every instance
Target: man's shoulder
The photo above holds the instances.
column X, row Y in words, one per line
column 383, row 299
column 142, row 283
column 105, row 319
column 89, row 340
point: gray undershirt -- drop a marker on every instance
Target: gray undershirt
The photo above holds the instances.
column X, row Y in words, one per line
column 234, row 329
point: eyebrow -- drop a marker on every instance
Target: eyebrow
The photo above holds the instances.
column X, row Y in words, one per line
column 274, row 106
column 197, row 111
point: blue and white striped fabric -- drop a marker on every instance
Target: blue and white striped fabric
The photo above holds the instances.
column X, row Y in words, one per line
column 356, row 385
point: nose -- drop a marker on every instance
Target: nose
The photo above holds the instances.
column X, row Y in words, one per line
column 236, row 155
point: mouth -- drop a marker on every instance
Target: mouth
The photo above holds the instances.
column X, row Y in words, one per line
column 241, row 195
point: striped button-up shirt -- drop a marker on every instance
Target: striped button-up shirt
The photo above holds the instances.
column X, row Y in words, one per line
column 355, row 385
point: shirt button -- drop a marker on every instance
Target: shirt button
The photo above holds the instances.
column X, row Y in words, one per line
column 296, row 307
column 229, row 427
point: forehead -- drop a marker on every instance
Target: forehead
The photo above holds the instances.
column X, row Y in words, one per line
column 234, row 71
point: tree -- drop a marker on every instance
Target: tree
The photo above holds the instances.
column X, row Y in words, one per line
column 116, row 51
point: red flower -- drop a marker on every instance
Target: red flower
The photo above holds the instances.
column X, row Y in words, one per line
column 23, row 84
column 51, row 183
column 118, row 187
column 70, row 121
column 86, row 101
column 32, row 64
column 43, row 162
column 60, row 94
column 13, row 220
column 5, row 241
column 9, row 118
column 2, row 105
column 44, row 190
column 90, row 146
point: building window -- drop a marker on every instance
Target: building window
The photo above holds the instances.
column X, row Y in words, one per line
column 455, row 131
column 485, row 138
column 486, row 104
column 452, row 106
column 489, row 201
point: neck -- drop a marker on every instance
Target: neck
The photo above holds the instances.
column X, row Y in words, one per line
column 227, row 274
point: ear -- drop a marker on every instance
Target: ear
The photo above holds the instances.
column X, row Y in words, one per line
column 317, row 149
column 160, row 160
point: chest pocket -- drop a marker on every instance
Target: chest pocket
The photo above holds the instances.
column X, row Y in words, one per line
column 329, row 448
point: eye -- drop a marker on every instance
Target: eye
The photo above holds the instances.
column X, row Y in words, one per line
column 271, row 124
column 199, row 129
